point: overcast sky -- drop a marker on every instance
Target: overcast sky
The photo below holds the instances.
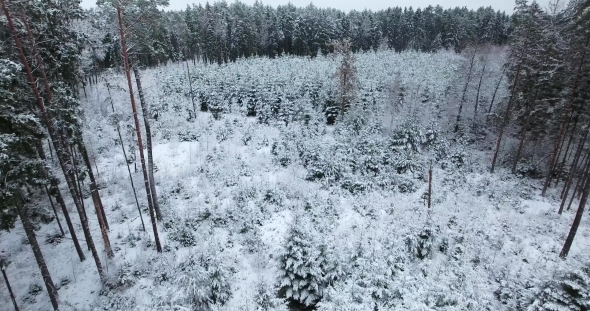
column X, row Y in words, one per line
column 347, row 5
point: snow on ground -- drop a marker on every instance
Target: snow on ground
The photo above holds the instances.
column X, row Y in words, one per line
column 238, row 204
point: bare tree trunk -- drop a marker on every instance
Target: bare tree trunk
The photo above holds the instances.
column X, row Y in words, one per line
column 574, row 229
column 55, row 137
column 506, row 120
column 567, row 186
column 580, row 182
column 190, row 82
column 478, row 89
column 521, row 144
column 138, row 130
column 429, row 185
column 465, row 91
column 76, row 177
column 24, row 217
column 3, row 268
column 100, row 214
column 496, row 89
column 148, row 135
column 54, row 186
column 565, row 156
column 61, row 229
column 125, row 155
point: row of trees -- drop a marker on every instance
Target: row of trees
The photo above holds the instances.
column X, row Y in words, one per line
column 39, row 79
column 547, row 105
column 223, row 32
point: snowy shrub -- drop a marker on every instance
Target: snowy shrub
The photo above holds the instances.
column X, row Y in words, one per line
column 110, row 301
column 204, row 280
column 187, row 135
column 280, row 150
column 568, row 292
column 406, row 185
column 266, row 298
column 183, row 235
column 224, row 132
column 131, row 239
column 407, row 162
column 423, row 244
column 126, row 276
column 301, row 278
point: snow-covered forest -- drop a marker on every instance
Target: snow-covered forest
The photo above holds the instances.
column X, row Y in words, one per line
column 236, row 157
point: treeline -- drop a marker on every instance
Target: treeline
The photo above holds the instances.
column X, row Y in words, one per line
column 224, row 32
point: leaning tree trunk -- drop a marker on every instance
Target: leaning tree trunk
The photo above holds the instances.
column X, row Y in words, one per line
column 568, row 183
column 465, row 92
column 61, row 229
column 54, row 186
column 561, row 165
column 478, row 89
column 496, row 89
column 3, row 268
column 525, row 128
column 55, row 138
column 96, row 198
column 125, row 155
column 580, row 182
column 148, row 139
column 138, row 130
column 506, row 119
column 574, row 229
column 24, row 217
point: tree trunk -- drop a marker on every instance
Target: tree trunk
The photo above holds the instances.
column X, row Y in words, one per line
column 429, row 185
column 9, row 288
column 148, row 135
column 76, row 177
column 521, row 144
column 24, row 217
column 567, row 186
column 465, row 91
column 125, row 155
column 580, row 183
column 496, row 89
column 567, row 153
column 53, row 134
column 506, row 119
column 138, row 130
column 100, row 214
column 61, row 229
column 574, row 229
column 54, row 186
column 190, row 82
column 565, row 121
column 478, row 89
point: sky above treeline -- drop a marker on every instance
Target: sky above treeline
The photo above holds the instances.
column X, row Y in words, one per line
column 375, row 5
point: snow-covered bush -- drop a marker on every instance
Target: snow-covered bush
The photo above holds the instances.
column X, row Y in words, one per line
column 568, row 292
column 424, row 243
column 204, row 280
column 302, row 265
column 266, row 298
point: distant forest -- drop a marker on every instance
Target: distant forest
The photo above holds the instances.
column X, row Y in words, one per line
column 222, row 32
